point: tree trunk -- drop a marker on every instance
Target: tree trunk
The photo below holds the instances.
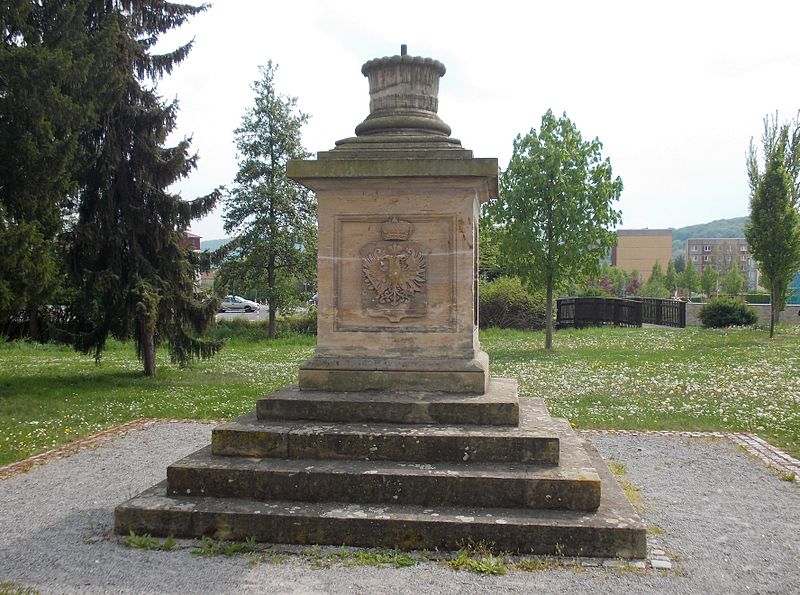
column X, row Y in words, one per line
column 271, row 324
column 149, row 354
column 33, row 324
column 548, row 315
column 773, row 298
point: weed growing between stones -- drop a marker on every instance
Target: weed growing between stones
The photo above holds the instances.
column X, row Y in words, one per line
column 349, row 557
column 211, row 548
column 478, row 559
column 147, row 542
column 7, row 588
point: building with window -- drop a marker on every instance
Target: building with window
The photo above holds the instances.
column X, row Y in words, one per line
column 639, row 249
column 721, row 254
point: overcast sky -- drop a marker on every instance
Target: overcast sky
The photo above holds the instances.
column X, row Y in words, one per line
column 674, row 90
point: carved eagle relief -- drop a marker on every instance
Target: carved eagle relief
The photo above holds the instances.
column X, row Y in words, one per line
column 395, row 273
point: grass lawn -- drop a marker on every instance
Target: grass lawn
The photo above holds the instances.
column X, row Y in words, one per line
column 674, row 379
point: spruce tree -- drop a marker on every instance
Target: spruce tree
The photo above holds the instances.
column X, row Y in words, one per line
column 273, row 217
column 135, row 279
column 44, row 61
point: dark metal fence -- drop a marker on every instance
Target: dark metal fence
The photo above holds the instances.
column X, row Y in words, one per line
column 594, row 311
column 663, row 312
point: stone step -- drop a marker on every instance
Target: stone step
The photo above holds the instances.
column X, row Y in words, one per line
column 362, row 482
column 498, row 406
column 613, row 530
column 535, row 441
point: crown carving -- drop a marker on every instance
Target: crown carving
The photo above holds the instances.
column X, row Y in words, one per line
column 396, row 229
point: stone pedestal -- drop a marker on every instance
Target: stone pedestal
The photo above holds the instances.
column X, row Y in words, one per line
column 396, row 436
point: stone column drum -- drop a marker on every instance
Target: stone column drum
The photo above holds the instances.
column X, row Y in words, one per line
column 398, row 211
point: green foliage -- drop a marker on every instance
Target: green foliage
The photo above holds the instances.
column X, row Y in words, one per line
column 44, row 108
column 241, row 329
column 708, row 280
column 773, row 231
column 671, row 277
column 688, row 280
column 480, row 561
column 756, row 298
column 505, row 303
column 211, row 548
column 611, row 281
column 147, row 542
column 349, row 557
column 654, row 288
column 554, row 217
column 489, row 265
column 724, row 312
column 656, row 274
column 125, row 253
column 719, row 228
column 733, row 282
column 273, row 217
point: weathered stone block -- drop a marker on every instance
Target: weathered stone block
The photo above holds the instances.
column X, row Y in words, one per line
column 498, row 406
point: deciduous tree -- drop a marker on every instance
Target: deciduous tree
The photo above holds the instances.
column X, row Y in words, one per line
column 555, row 214
column 689, row 279
column 708, row 280
column 773, row 231
column 671, row 277
column 733, row 282
column 273, row 217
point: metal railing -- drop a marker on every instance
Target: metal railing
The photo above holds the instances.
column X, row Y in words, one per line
column 580, row 312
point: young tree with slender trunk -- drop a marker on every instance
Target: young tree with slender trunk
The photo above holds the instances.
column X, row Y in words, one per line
column 273, row 217
column 689, row 280
column 773, row 231
column 671, row 277
column 555, row 215
column 135, row 278
column 708, row 281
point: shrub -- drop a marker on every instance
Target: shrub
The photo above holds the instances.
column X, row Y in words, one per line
column 505, row 303
column 726, row 312
column 258, row 330
column 304, row 323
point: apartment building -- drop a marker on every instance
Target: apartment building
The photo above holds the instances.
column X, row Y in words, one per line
column 721, row 254
column 639, row 249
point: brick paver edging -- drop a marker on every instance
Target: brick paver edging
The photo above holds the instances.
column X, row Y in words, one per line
column 773, row 457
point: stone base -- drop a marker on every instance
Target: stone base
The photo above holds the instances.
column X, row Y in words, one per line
column 534, row 487
column 613, row 530
column 339, row 374
column 534, row 442
column 498, row 406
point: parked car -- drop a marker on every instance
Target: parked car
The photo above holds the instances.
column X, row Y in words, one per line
column 234, row 303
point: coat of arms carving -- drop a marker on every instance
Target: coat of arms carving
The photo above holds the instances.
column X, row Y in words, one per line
column 394, row 274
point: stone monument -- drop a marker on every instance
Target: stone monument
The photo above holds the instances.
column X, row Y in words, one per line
column 396, row 435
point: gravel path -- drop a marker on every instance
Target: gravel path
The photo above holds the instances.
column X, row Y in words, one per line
column 728, row 524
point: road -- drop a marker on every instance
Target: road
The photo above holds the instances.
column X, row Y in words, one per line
column 262, row 314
